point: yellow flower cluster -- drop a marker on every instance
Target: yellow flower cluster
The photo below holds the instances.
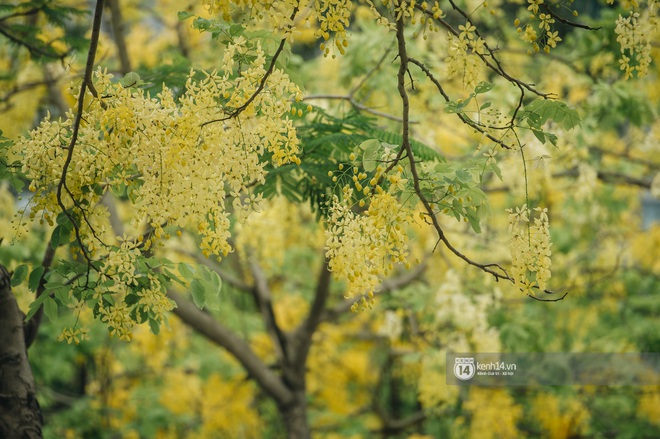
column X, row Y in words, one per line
column 363, row 247
column 226, row 7
column 177, row 169
column 118, row 320
column 179, row 162
column 334, row 17
column 120, row 266
column 635, row 33
column 538, row 32
column 462, row 59
column 74, row 335
column 530, row 248
column 560, row 417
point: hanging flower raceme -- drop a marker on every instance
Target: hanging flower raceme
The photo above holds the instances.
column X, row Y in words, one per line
column 178, row 162
column 363, row 247
column 530, row 248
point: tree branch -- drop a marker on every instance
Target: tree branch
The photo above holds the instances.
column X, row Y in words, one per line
column 262, row 83
column 386, row 286
column 20, row 415
column 262, row 296
column 25, row 87
column 604, row 176
column 495, row 65
column 563, row 20
column 220, row 335
column 118, row 34
column 461, row 116
column 86, row 83
column 301, row 338
column 34, row 50
column 496, row 270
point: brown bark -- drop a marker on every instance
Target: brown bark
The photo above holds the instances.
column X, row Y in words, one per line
column 118, row 26
column 20, row 414
column 295, row 417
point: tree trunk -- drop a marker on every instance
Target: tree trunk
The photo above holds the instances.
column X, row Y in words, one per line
column 20, row 414
column 295, row 417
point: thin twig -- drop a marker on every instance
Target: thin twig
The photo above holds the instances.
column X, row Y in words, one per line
column 496, row 67
column 350, row 99
column 563, row 20
column 87, row 80
column 20, row 14
column 262, row 83
column 34, row 50
column 496, row 270
column 461, row 116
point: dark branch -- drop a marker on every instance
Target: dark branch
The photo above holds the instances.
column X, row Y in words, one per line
column 217, row 333
column 461, row 116
column 301, row 338
column 86, row 83
column 33, row 49
column 263, row 298
column 388, row 285
column 118, row 34
column 563, row 20
column 262, row 83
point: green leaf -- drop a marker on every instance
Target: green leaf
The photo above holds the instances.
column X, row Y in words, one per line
column 131, row 79
column 131, row 299
column 184, row 15
column 409, row 199
column 236, row 30
column 370, row 155
column 211, row 284
column 496, row 169
column 62, row 218
column 50, row 308
column 474, row 222
column 35, row 277
column 198, row 293
column 35, row 305
column 155, row 326
column 170, row 276
column 464, row 176
column 483, row 87
column 457, row 107
column 19, row 275
column 555, row 110
column 55, row 237
column 539, row 135
column 187, row 271
column 60, row 291
column 61, row 234
column 369, row 144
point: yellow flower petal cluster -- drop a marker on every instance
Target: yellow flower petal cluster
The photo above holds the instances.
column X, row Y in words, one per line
column 334, row 17
column 539, row 31
column 183, row 163
column 530, row 248
column 331, row 17
column 177, row 170
column 363, row 247
column 635, row 33
column 462, row 59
